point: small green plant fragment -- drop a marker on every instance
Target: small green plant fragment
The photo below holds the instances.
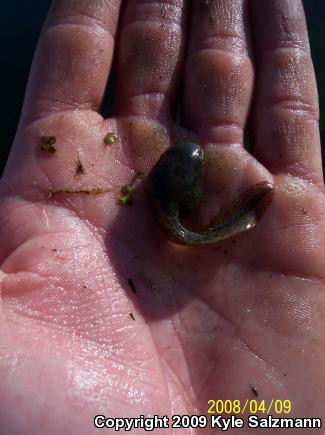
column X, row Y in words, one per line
column 127, row 191
column 126, row 195
column 125, row 200
column 110, row 138
column 48, row 144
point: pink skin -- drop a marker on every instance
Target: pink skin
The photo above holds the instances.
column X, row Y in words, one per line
column 209, row 322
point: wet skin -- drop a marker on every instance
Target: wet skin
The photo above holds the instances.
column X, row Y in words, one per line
column 175, row 188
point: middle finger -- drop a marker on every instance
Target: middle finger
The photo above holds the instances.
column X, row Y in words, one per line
column 218, row 71
column 149, row 63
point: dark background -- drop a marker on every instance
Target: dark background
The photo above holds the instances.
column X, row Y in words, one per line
column 20, row 26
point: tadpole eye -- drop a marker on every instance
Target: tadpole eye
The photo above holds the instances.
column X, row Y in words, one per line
column 197, row 152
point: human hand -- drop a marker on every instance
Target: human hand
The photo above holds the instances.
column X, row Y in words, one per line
column 100, row 314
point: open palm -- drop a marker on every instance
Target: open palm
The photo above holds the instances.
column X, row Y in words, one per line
column 99, row 313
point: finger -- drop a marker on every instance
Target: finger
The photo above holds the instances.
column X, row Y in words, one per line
column 73, row 58
column 151, row 46
column 218, row 71
column 285, row 117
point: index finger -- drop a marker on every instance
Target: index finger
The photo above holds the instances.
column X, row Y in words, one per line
column 73, row 58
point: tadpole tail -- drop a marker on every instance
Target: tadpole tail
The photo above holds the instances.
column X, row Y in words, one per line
column 236, row 217
column 244, row 212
